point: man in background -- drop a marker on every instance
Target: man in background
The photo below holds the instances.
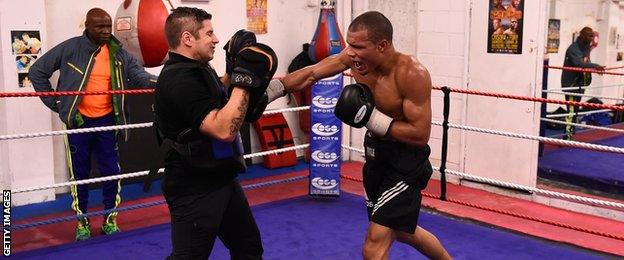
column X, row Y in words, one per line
column 94, row 61
column 577, row 55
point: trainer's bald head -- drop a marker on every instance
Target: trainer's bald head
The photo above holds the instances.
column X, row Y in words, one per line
column 96, row 13
column 98, row 25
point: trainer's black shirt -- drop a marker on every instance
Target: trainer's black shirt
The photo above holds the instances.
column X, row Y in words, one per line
column 184, row 96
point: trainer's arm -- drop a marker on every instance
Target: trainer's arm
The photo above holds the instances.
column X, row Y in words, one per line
column 415, row 88
column 305, row 77
column 41, row 71
column 223, row 124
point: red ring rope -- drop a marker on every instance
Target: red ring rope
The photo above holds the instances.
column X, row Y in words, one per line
column 474, row 92
column 585, row 70
column 72, row 93
column 542, row 100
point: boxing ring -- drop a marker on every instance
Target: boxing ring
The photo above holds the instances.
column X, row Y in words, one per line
column 471, row 223
column 582, row 168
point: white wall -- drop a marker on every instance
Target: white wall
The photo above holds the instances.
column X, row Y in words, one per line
column 25, row 162
column 290, row 24
column 441, row 47
column 504, row 158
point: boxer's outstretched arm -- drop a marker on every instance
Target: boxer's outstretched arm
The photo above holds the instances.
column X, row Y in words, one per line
column 305, row 77
column 415, row 88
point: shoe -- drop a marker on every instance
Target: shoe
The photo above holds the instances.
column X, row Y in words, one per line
column 83, row 230
column 110, row 225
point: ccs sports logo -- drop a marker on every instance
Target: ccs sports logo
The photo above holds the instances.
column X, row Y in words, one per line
column 324, row 102
column 324, row 184
column 322, row 157
column 332, row 78
column 324, row 130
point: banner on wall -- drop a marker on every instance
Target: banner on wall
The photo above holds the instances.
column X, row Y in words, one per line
column 505, row 26
column 325, row 138
column 552, row 43
column 257, row 16
column 24, row 45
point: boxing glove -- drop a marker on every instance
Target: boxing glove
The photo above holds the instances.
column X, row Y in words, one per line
column 254, row 67
column 356, row 107
column 242, row 38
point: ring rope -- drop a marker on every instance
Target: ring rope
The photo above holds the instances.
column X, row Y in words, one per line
column 76, row 131
column 536, row 190
column 581, row 95
column 579, row 113
column 520, row 187
column 303, row 146
column 583, row 125
column 599, row 72
column 143, row 173
column 587, row 87
column 121, row 127
column 74, row 93
column 291, row 109
column 538, row 138
column 144, row 205
column 509, row 213
column 534, row 99
column 463, row 175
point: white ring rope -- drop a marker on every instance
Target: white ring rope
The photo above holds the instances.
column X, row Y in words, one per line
column 353, row 149
column 521, row 187
column 584, row 126
column 303, row 146
column 291, row 109
column 86, row 181
column 460, row 174
column 143, row 173
column 579, row 113
column 76, row 131
column 581, row 95
column 604, row 148
column 587, row 87
column 536, row 190
column 121, row 127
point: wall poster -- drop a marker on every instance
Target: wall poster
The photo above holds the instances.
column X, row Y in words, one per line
column 552, row 42
column 505, row 26
column 257, row 16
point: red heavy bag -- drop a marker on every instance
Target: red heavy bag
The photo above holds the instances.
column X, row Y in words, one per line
column 273, row 133
column 327, row 39
column 140, row 26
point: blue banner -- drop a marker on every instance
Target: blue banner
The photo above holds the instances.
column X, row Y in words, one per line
column 325, row 137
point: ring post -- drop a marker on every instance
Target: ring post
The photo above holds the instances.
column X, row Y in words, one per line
column 445, row 128
column 542, row 129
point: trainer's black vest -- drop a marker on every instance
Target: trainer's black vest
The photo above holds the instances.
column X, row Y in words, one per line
column 201, row 151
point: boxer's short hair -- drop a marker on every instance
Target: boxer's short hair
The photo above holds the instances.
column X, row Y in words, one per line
column 183, row 19
column 378, row 26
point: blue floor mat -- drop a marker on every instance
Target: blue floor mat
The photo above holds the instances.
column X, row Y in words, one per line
column 586, row 168
column 305, row 228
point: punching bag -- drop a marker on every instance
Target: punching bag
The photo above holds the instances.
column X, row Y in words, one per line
column 140, row 26
column 327, row 39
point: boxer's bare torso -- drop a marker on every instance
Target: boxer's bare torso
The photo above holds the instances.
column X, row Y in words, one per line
column 400, row 84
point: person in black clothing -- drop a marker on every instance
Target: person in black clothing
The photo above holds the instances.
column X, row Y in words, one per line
column 198, row 124
column 577, row 55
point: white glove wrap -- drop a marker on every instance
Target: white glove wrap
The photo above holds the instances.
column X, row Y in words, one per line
column 379, row 123
column 275, row 90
